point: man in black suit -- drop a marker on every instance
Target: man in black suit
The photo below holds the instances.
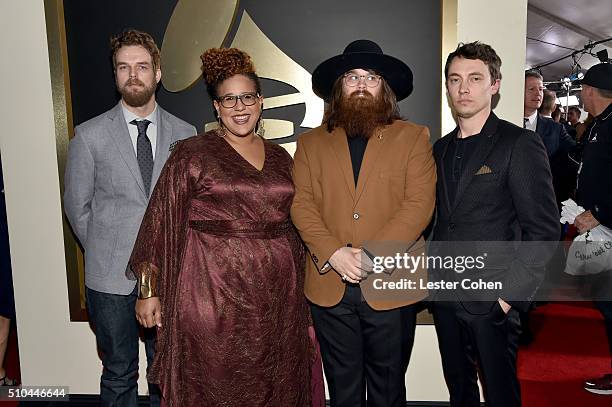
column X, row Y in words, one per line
column 555, row 137
column 558, row 145
column 494, row 185
column 557, row 141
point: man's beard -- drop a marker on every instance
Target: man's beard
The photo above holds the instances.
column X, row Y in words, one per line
column 360, row 115
column 139, row 97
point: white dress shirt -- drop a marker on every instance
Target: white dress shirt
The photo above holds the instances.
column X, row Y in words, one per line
column 532, row 121
column 151, row 130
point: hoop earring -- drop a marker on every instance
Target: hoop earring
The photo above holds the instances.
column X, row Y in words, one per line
column 261, row 131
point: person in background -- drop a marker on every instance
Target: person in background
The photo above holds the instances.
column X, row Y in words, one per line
column 557, row 113
column 573, row 116
column 7, row 300
column 594, row 192
column 573, row 121
column 548, row 103
column 582, row 127
column 555, row 138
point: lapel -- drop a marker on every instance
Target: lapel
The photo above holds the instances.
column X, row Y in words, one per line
column 441, row 175
column 370, row 160
column 483, row 148
column 343, row 157
column 164, row 137
column 539, row 125
column 119, row 133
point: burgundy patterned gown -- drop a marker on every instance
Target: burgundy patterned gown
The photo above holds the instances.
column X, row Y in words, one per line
column 228, row 267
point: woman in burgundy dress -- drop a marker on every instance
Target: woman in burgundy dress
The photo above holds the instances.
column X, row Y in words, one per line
column 219, row 264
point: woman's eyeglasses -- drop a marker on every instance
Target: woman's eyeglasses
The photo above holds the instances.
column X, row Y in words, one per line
column 229, row 101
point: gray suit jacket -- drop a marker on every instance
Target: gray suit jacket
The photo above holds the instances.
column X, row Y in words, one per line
column 104, row 196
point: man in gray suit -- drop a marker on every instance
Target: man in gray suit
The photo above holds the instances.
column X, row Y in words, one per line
column 113, row 163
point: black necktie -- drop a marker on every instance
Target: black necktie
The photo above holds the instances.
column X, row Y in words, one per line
column 525, row 121
column 144, row 153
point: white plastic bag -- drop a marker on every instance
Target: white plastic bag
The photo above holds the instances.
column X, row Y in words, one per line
column 590, row 252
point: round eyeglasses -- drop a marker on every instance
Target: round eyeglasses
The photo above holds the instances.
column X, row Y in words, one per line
column 229, row 101
column 352, row 79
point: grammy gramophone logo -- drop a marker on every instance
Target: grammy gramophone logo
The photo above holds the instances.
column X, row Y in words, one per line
column 196, row 25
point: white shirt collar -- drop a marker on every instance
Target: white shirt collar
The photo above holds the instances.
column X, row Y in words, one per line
column 133, row 130
column 129, row 116
column 531, row 121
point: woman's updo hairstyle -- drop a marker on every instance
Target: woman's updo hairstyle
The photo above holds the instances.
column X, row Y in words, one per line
column 219, row 64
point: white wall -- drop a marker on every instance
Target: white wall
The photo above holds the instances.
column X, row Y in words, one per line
column 55, row 351
column 503, row 25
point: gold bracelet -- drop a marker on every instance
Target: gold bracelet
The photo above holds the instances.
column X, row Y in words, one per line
column 146, row 286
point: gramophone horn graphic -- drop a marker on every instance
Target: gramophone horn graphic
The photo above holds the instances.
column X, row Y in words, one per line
column 197, row 25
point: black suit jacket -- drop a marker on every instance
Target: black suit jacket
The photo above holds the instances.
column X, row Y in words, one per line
column 559, row 145
column 554, row 136
column 504, row 194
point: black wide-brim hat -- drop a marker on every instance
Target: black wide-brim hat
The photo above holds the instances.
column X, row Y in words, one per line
column 363, row 54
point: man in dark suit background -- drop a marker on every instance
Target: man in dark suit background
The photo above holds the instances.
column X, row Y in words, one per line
column 554, row 135
column 494, row 185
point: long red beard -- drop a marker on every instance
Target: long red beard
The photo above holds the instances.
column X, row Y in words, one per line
column 361, row 115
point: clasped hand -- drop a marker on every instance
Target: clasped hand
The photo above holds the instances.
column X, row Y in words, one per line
column 351, row 264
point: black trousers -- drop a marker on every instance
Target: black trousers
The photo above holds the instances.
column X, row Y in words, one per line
column 605, row 307
column 364, row 350
column 485, row 343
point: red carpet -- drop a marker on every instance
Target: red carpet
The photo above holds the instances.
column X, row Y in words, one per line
column 570, row 345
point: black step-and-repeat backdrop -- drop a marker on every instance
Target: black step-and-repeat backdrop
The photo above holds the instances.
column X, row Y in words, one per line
column 288, row 35
column 286, row 38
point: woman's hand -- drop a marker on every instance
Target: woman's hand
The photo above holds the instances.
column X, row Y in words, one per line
column 148, row 312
